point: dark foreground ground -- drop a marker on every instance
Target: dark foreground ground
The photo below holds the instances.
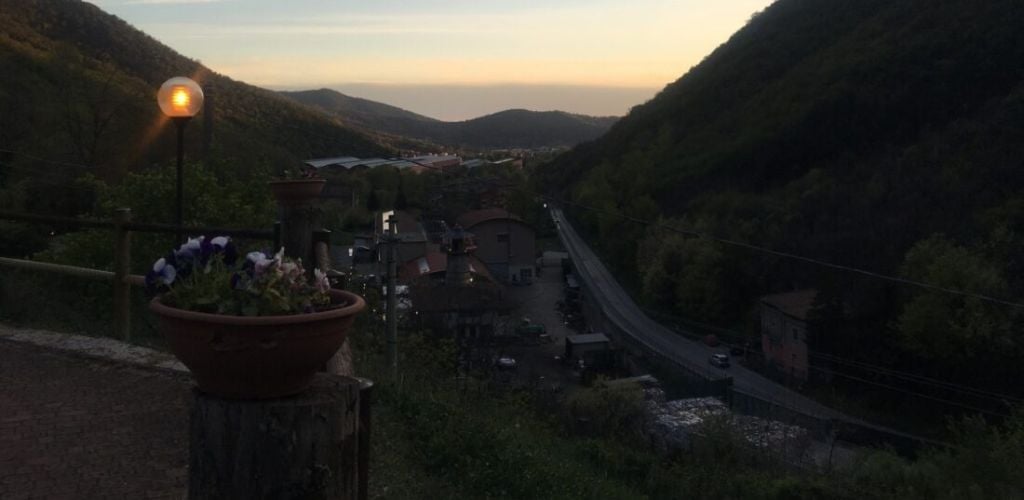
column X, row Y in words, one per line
column 75, row 427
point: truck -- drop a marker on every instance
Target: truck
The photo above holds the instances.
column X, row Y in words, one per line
column 532, row 332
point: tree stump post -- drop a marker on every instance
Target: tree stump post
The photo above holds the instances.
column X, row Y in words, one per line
column 304, row 446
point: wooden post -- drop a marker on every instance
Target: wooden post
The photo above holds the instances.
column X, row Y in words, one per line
column 277, row 236
column 297, row 223
column 321, row 249
column 365, row 418
column 341, row 362
column 122, row 288
column 392, row 298
column 304, row 446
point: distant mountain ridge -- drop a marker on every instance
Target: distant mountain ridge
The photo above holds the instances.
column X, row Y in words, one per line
column 514, row 128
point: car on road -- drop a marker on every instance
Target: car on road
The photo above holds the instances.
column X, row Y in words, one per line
column 506, row 363
column 719, row 360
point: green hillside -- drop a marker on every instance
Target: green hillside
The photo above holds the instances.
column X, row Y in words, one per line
column 515, row 128
column 885, row 135
column 79, row 86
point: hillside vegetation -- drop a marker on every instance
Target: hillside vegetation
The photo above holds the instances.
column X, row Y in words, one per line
column 882, row 134
column 514, row 128
column 79, row 86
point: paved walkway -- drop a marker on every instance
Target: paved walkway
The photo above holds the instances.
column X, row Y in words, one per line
column 73, row 426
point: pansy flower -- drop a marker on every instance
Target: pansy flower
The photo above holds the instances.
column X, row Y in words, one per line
column 161, row 276
column 320, row 281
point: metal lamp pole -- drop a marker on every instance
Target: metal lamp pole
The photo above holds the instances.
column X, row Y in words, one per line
column 180, row 99
column 180, row 121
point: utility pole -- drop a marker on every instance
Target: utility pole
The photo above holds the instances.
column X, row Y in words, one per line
column 391, row 238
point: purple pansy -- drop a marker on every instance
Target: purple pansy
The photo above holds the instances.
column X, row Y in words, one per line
column 161, row 276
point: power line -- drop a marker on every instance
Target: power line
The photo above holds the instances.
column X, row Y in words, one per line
column 888, row 372
column 788, row 255
column 919, row 379
column 904, row 391
column 758, row 248
column 907, row 376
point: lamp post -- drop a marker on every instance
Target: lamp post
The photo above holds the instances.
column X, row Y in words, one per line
column 180, row 98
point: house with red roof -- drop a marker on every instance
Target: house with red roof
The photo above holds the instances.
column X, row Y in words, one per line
column 784, row 331
column 505, row 243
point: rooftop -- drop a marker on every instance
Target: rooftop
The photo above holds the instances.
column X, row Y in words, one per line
column 415, row 162
column 470, row 219
column 796, row 304
column 588, row 338
column 437, row 262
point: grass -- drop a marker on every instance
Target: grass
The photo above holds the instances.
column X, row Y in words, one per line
column 445, row 437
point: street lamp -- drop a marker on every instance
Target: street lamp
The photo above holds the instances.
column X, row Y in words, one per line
column 180, row 98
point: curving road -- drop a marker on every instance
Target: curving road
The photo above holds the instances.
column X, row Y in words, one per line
column 624, row 313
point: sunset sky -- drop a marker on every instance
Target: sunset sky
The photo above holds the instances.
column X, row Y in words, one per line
column 603, row 56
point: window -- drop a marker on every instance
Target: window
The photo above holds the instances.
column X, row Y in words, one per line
column 796, row 334
column 526, row 274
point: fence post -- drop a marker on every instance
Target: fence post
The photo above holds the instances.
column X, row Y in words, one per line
column 122, row 289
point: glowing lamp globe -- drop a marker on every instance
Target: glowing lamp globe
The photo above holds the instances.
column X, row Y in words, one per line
column 180, row 97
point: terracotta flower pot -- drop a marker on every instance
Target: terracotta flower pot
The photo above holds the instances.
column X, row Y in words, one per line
column 297, row 191
column 260, row 357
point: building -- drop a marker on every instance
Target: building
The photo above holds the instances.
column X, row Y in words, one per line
column 413, row 241
column 453, row 293
column 592, row 349
column 433, row 163
column 436, row 163
column 504, row 243
column 784, row 331
column 433, row 268
column 475, row 163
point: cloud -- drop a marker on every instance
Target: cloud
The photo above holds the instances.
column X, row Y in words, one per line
column 369, row 27
column 160, row 2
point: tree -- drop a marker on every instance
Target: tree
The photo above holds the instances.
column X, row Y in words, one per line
column 372, row 202
column 951, row 328
column 92, row 100
column 400, row 202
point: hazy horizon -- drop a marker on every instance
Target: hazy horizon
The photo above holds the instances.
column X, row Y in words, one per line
column 450, row 59
column 464, row 102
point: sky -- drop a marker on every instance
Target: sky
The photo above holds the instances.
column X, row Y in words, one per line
column 450, row 59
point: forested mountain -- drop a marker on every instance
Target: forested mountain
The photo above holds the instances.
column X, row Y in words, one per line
column 364, row 113
column 882, row 134
column 78, row 86
column 515, row 128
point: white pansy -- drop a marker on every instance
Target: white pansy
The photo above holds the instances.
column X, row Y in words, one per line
column 320, row 281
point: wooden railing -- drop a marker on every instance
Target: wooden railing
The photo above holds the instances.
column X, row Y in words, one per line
column 123, row 227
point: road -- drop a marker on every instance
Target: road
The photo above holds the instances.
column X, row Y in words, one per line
column 624, row 313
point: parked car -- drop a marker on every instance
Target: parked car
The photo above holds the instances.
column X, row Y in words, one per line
column 719, row 360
